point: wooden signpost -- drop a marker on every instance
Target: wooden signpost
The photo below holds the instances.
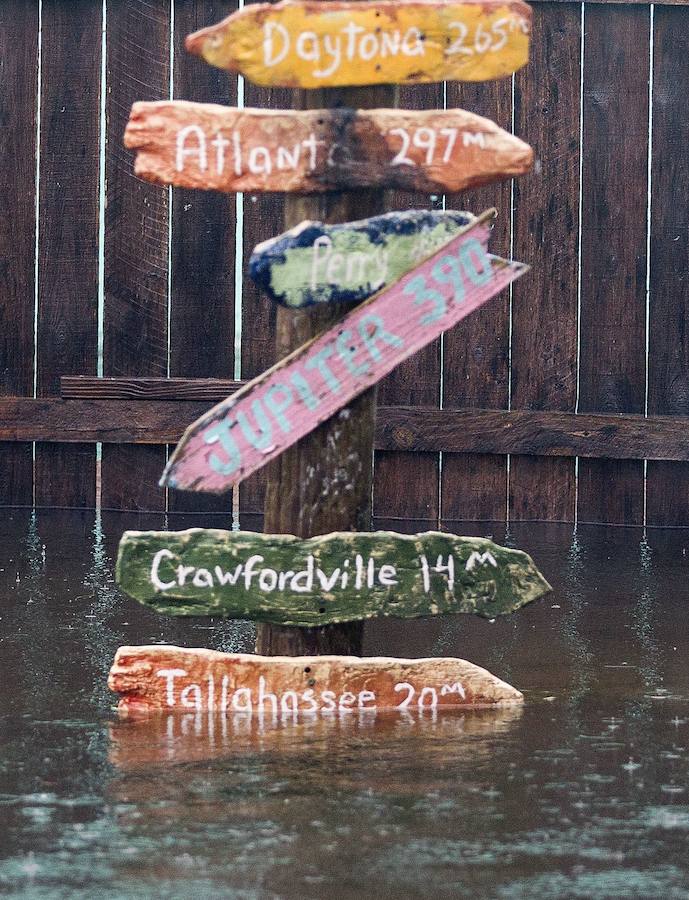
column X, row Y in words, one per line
column 240, row 435
column 317, row 263
column 201, row 145
column 314, row 44
column 159, row 678
column 416, row 275
column 341, row 577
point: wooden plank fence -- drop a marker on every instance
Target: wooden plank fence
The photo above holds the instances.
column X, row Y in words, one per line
column 564, row 399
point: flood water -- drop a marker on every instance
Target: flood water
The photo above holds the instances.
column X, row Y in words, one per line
column 582, row 793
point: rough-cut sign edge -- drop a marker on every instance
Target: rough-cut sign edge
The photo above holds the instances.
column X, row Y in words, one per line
column 518, row 157
column 129, row 679
column 260, row 268
column 222, row 408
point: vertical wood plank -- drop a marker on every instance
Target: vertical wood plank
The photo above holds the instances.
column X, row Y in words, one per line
column 476, row 351
column 546, row 216
column 202, row 244
column 406, row 485
column 67, row 334
column 18, row 110
column 136, row 241
column 667, row 483
column 613, row 251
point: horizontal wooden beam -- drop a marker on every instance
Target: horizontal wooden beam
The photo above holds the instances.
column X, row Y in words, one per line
column 533, row 432
column 155, row 421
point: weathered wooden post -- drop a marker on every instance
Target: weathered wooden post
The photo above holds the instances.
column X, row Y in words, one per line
column 356, row 298
column 324, row 483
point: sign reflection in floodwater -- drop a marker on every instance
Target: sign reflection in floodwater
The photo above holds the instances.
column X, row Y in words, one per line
column 175, row 738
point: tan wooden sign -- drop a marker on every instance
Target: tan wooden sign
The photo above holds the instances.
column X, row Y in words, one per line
column 316, row 44
column 159, row 678
column 243, row 433
column 199, row 145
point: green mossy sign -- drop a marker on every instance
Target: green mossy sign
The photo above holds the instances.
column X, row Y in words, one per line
column 333, row 578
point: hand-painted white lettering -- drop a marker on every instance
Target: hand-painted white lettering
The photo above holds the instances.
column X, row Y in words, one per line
column 155, row 568
column 455, row 688
column 192, row 150
column 225, row 577
column 449, row 568
column 484, row 40
column 202, row 578
column 366, row 574
column 411, row 691
column 425, row 573
column 432, row 694
column 241, row 700
column 198, row 151
column 426, row 139
column 272, row 55
column 169, row 675
column 292, row 702
column 190, row 697
column 479, row 559
column 388, row 575
column 366, row 697
column 328, row 51
column 347, row 700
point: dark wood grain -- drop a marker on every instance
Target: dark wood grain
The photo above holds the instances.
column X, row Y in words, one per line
column 68, row 250
column 18, row 108
column 667, row 484
column 546, row 216
column 613, row 274
column 404, row 486
column 397, row 428
column 202, row 244
column 136, row 240
column 476, row 352
column 263, row 219
column 124, row 388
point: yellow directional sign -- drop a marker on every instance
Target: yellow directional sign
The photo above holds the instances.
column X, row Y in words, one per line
column 331, row 44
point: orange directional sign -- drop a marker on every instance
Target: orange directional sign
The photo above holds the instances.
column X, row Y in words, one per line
column 200, row 145
column 240, row 435
column 317, row 44
column 159, row 678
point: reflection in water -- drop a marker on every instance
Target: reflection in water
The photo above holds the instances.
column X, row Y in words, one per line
column 184, row 737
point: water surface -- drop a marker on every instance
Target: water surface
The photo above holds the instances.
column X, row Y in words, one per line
column 582, row 793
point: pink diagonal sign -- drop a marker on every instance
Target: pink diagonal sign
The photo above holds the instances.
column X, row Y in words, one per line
column 272, row 412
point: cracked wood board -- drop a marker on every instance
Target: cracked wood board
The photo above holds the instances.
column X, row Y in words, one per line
column 241, row 434
column 159, row 678
column 339, row 577
column 202, row 145
column 335, row 44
